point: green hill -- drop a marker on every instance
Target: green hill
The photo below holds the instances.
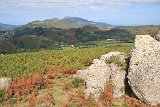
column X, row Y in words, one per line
column 80, row 22
column 37, row 38
column 66, row 23
column 50, row 23
column 4, row 27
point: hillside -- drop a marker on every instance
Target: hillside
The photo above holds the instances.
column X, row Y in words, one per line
column 142, row 30
column 66, row 23
column 31, row 39
column 49, row 74
column 50, row 23
column 80, row 22
column 4, row 27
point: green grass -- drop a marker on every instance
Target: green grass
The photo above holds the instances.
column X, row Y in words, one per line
column 24, row 64
column 116, row 60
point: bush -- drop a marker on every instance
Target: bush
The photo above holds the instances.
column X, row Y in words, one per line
column 76, row 82
column 116, row 60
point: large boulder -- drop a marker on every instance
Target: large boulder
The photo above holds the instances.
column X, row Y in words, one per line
column 144, row 70
column 99, row 74
column 5, row 83
column 157, row 37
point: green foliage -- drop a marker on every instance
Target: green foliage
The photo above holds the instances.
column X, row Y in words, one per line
column 3, row 95
column 76, row 82
column 122, row 89
column 7, row 47
column 38, row 37
column 116, row 34
column 142, row 30
column 116, row 60
column 50, row 23
column 33, row 38
column 23, row 64
column 29, row 42
column 125, row 105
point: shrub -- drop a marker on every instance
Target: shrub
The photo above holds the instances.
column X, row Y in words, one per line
column 116, row 60
column 107, row 95
column 76, row 82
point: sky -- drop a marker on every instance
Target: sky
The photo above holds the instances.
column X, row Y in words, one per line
column 115, row 12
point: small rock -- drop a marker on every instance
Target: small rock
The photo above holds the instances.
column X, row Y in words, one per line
column 157, row 37
column 5, row 83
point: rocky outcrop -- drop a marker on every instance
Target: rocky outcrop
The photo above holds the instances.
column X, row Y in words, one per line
column 117, row 78
column 99, row 74
column 5, row 83
column 144, row 70
column 157, row 37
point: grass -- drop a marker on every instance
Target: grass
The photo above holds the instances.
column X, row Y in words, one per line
column 76, row 82
column 116, row 60
column 24, row 64
column 65, row 89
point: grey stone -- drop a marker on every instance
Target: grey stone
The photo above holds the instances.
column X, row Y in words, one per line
column 157, row 37
column 5, row 83
column 118, row 78
column 99, row 74
column 95, row 77
column 144, row 70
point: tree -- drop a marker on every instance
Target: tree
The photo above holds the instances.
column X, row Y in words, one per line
column 7, row 46
column 29, row 42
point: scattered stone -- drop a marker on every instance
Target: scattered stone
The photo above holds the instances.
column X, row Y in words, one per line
column 99, row 74
column 5, row 83
column 157, row 37
column 144, row 70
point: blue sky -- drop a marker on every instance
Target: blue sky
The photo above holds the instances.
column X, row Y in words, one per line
column 115, row 12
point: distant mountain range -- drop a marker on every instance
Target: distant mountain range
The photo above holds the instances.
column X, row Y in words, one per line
column 80, row 22
column 67, row 23
column 50, row 23
column 4, row 27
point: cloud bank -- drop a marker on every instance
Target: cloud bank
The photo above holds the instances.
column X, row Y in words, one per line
column 41, row 9
column 70, row 4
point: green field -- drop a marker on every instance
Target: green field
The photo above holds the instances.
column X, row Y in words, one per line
column 58, row 87
column 24, row 64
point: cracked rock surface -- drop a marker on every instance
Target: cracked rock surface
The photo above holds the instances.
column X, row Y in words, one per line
column 99, row 74
column 144, row 70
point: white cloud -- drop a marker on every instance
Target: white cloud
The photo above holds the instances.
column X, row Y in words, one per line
column 71, row 5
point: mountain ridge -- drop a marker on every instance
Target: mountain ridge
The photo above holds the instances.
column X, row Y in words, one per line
column 4, row 27
column 67, row 23
column 80, row 22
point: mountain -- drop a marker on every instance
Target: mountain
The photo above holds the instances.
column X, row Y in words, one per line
column 67, row 23
column 4, row 27
column 80, row 22
column 50, row 23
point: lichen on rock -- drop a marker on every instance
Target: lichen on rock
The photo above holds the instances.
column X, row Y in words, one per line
column 98, row 75
column 144, row 70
